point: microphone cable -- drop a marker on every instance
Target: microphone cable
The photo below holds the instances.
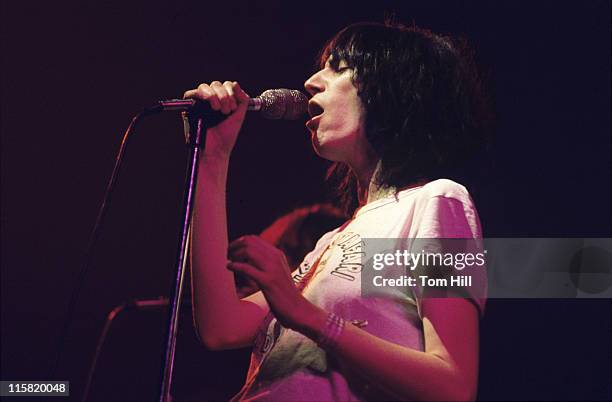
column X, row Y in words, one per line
column 95, row 234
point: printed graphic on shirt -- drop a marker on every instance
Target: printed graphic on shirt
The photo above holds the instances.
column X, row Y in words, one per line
column 267, row 335
column 351, row 247
column 301, row 271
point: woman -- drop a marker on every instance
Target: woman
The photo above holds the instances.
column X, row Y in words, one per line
column 394, row 108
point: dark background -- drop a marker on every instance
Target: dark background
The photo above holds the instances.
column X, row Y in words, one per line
column 75, row 72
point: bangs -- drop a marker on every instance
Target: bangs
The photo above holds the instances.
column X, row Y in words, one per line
column 349, row 45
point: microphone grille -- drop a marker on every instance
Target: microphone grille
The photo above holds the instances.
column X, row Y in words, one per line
column 286, row 104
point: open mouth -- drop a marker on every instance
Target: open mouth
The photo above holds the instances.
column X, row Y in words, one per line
column 314, row 110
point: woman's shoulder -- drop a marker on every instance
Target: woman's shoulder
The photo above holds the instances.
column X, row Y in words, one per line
column 447, row 210
column 445, row 188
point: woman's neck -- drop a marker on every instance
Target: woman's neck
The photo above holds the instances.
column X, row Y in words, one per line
column 368, row 188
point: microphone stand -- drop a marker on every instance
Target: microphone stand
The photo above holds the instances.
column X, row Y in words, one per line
column 114, row 313
column 195, row 137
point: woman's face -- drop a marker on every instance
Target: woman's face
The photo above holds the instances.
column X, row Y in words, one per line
column 337, row 123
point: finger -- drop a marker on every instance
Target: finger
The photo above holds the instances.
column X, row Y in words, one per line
column 207, row 93
column 240, row 242
column 222, row 95
column 235, row 245
column 239, row 249
column 240, row 254
column 251, row 246
column 229, row 87
column 192, row 93
column 204, row 92
column 241, row 96
column 254, row 250
column 251, row 255
column 201, row 92
column 247, row 270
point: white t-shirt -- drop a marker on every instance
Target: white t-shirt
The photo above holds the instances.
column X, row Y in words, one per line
column 288, row 366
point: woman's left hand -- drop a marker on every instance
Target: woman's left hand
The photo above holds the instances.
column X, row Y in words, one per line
column 267, row 265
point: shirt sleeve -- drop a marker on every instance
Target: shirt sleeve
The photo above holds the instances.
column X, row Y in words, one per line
column 448, row 225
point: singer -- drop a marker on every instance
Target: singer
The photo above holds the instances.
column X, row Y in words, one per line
column 396, row 109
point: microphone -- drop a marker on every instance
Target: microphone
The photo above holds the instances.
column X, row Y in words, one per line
column 275, row 104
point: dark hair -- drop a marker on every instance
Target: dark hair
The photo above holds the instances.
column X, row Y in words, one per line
column 425, row 108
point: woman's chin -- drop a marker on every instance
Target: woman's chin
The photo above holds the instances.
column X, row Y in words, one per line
column 317, row 148
column 326, row 152
column 330, row 150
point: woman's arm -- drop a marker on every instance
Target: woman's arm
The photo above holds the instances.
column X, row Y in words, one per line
column 446, row 370
column 222, row 320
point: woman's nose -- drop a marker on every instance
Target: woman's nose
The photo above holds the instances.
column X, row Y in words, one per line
column 314, row 84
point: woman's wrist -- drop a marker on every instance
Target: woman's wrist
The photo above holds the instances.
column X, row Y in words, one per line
column 312, row 320
column 331, row 332
column 325, row 328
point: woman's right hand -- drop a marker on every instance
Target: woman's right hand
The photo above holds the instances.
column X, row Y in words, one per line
column 229, row 99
